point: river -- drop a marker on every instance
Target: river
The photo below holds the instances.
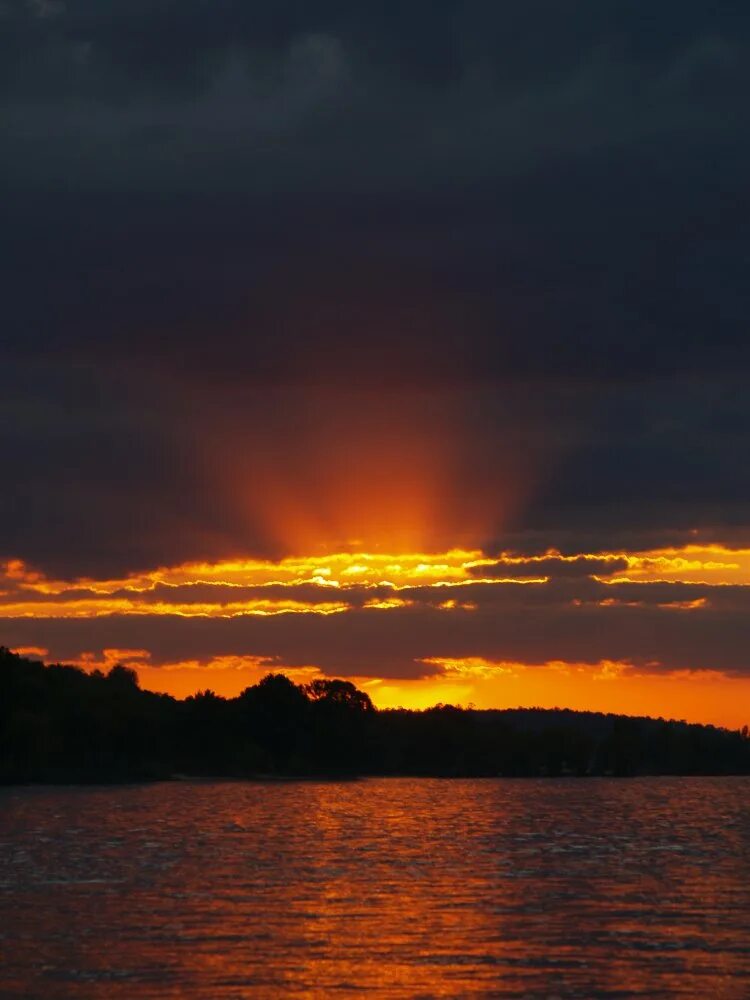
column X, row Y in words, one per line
column 385, row 887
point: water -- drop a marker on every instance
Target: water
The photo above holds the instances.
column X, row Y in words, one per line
column 395, row 888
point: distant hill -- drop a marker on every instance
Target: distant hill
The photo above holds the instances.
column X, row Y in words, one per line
column 60, row 724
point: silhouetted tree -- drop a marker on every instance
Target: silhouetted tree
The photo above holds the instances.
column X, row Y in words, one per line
column 275, row 716
column 339, row 713
column 336, row 692
column 58, row 723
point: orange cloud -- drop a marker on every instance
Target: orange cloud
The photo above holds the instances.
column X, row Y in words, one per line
column 417, row 627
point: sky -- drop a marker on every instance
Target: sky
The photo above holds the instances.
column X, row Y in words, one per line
column 402, row 342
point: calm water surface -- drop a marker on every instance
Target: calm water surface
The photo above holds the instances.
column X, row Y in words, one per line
column 397, row 888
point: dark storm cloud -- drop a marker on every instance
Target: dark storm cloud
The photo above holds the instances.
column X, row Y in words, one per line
column 543, row 206
column 578, row 592
column 96, row 481
column 552, row 567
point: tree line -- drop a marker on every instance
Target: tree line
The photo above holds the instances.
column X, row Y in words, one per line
column 59, row 723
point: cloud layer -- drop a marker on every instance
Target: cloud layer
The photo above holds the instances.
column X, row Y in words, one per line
column 286, row 279
column 400, row 617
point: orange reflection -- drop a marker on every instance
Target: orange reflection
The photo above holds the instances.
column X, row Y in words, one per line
column 400, row 888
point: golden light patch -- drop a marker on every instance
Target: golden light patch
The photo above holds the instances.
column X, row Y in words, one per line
column 709, row 564
column 121, row 606
column 335, row 569
column 336, row 584
column 32, row 595
column 30, row 651
column 693, row 695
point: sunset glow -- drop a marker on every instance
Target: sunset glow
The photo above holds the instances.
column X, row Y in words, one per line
column 375, row 504
column 371, row 592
